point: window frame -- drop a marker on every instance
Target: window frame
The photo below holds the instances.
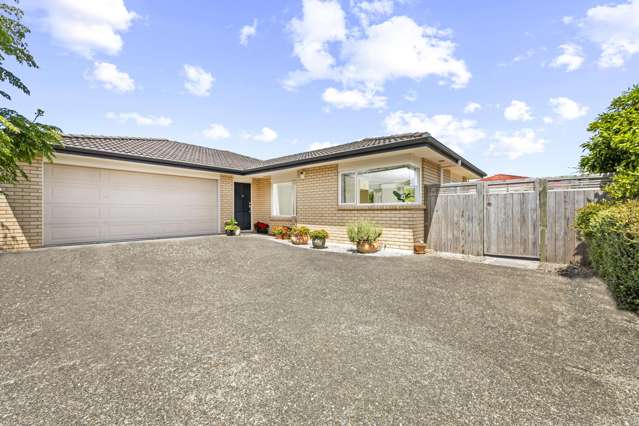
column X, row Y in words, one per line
column 294, row 198
column 364, row 169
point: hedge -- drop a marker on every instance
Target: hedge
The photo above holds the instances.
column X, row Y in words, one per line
column 611, row 231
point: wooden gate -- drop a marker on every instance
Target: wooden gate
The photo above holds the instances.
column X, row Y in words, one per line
column 511, row 215
column 530, row 218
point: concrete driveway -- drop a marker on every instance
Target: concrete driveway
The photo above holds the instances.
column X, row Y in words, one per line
column 243, row 330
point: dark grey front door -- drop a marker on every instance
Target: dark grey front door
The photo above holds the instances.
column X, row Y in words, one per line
column 243, row 205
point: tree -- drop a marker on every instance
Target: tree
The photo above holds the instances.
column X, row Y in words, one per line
column 21, row 139
column 614, row 145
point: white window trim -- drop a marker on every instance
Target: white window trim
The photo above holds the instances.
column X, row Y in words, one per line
column 294, row 199
column 357, row 170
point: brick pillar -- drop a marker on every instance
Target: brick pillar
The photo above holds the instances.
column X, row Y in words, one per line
column 21, row 211
column 226, row 199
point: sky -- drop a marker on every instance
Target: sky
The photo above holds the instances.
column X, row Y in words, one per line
column 510, row 85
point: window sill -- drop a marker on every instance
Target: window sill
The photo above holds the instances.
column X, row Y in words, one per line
column 283, row 218
column 382, row 207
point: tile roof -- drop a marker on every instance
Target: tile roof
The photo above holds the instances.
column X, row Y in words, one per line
column 344, row 148
column 160, row 149
column 172, row 152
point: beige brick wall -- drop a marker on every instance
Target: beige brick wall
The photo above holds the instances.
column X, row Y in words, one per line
column 317, row 207
column 261, row 204
column 226, row 190
column 21, row 211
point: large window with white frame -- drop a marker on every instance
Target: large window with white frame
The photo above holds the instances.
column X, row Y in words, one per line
column 384, row 185
column 283, row 199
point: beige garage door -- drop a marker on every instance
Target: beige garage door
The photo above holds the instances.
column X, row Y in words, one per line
column 84, row 204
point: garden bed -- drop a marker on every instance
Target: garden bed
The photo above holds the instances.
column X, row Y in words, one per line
column 341, row 248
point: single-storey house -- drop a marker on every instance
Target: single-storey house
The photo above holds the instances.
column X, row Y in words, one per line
column 103, row 188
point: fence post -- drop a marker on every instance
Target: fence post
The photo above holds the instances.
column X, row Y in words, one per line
column 542, row 190
column 481, row 206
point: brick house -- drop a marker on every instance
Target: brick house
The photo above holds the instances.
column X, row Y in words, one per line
column 115, row 188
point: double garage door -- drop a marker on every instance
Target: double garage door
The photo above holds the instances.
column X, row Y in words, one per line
column 86, row 204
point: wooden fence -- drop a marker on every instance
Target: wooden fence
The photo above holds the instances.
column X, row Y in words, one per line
column 529, row 218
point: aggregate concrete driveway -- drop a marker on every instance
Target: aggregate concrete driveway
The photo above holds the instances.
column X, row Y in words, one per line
column 243, row 330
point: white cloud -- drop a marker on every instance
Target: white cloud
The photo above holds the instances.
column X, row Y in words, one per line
column 247, row 32
column 517, row 111
column 548, row 120
column 367, row 11
column 516, row 144
column 411, row 96
column 615, row 28
column 354, row 99
column 395, row 48
column 139, row 119
column 216, row 132
column 568, row 109
column 567, row 20
column 472, row 107
column 87, row 27
column 572, row 57
column 323, row 22
column 265, row 135
column 111, row 77
column 320, row 145
column 453, row 132
column 198, row 81
column 399, row 47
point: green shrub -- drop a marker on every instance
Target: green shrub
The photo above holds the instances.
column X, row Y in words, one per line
column 300, row 231
column 612, row 234
column 231, row 225
column 363, row 231
column 319, row 234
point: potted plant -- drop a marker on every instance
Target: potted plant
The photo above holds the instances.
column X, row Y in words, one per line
column 419, row 247
column 281, row 232
column 261, row 227
column 299, row 235
column 231, row 227
column 365, row 235
column 318, row 238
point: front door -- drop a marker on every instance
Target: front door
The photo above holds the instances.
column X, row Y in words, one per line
column 243, row 205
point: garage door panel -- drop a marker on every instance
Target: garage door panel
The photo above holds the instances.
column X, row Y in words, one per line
column 74, row 193
column 63, row 234
column 88, row 205
column 69, row 214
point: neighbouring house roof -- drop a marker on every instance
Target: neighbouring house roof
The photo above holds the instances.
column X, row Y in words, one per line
column 165, row 151
column 501, row 176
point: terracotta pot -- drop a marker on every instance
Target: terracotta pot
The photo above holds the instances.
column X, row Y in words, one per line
column 299, row 240
column 319, row 243
column 419, row 248
column 366, row 247
column 279, row 236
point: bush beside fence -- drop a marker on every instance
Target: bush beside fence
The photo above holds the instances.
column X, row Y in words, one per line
column 611, row 231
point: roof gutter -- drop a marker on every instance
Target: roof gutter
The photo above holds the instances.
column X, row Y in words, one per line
column 138, row 159
column 427, row 141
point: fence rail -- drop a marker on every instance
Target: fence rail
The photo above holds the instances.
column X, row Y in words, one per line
column 530, row 218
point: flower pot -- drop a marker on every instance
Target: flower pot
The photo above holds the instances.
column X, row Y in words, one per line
column 299, row 240
column 279, row 236
column 366, row 247
column 319, row 243
column 233, row 233
column 419, row 248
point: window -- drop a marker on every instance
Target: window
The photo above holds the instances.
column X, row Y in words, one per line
column 388, row 185
column 283, row 199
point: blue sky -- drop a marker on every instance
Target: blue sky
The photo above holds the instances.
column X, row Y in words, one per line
column 512, row 85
